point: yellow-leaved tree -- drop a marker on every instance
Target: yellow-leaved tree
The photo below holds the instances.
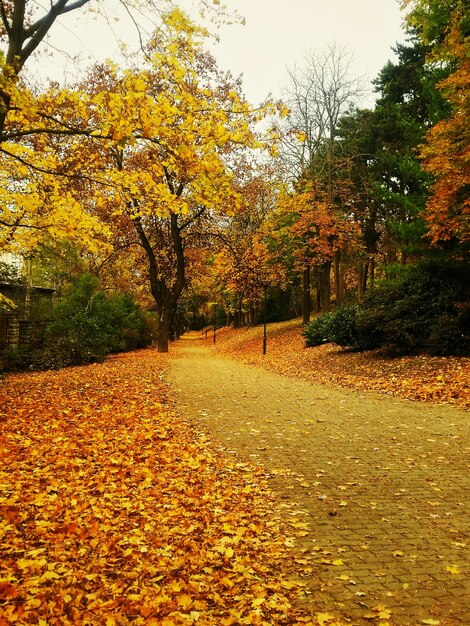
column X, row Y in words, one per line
column 158, row 167
column 35, row 197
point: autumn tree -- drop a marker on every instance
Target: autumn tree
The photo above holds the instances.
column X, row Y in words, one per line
column 319, row 230
column 445, row 28
column 35, row 200
column 241, row 266
column 25, row 25
column 319, row 94
column 162, row 151
column 34, row 203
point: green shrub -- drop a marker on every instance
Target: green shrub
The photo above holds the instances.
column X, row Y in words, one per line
column 318, row 331
column 422, row 307
column 343, row 326
column 418, row 308
column 335, row 327
column 449, row 334
column 87, row 325
column 51, row 357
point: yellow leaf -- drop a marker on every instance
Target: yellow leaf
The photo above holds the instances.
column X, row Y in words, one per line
column 146, row 610
column 324, row 618
column 385, row 614
column 49, row 576
column 135, row 597
column 257, row 602
column 184, row 601
column 288, row 584
column 453, row 569
column 430, row 622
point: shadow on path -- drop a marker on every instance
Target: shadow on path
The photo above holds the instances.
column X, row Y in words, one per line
column 382, row 482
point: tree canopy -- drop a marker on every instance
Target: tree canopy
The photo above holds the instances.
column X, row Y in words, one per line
column 160, row 172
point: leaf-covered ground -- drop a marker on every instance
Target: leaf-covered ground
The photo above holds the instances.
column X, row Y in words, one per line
column 435, row 379
column 112, row 511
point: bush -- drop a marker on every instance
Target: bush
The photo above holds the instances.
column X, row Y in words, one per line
column 417, row 308
column 421, row 308
column 335, row 327
column 87, row 325
column 50, row 357
column 343, row 326
column 318, row 331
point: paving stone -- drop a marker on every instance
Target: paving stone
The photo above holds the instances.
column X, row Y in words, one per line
column 401, row 468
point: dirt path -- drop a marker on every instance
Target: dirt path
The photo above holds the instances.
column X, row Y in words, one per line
column 382, row 483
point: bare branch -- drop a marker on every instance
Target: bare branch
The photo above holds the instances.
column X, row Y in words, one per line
column 38, row 31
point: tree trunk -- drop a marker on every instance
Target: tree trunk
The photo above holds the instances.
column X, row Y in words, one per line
column 363, row 271
column 306, row 299
column 237, row 314
column 339, row 288
column 172, row 332
column 253, row 315
column 325, row 287
column 372, row 269
column 166, row 296
column 163, row 330
column 317, row 301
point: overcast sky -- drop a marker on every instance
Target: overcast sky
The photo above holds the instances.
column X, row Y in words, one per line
column 276, row 35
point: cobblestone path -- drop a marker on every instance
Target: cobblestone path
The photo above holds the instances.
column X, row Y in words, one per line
column 380, row 484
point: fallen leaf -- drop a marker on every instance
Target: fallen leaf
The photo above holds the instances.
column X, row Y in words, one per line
column 408, row 378
column 117, row 508
column 324, row 618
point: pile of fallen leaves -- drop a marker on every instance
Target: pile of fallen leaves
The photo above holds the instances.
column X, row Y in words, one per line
column 113, row 512
column 423, row 377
